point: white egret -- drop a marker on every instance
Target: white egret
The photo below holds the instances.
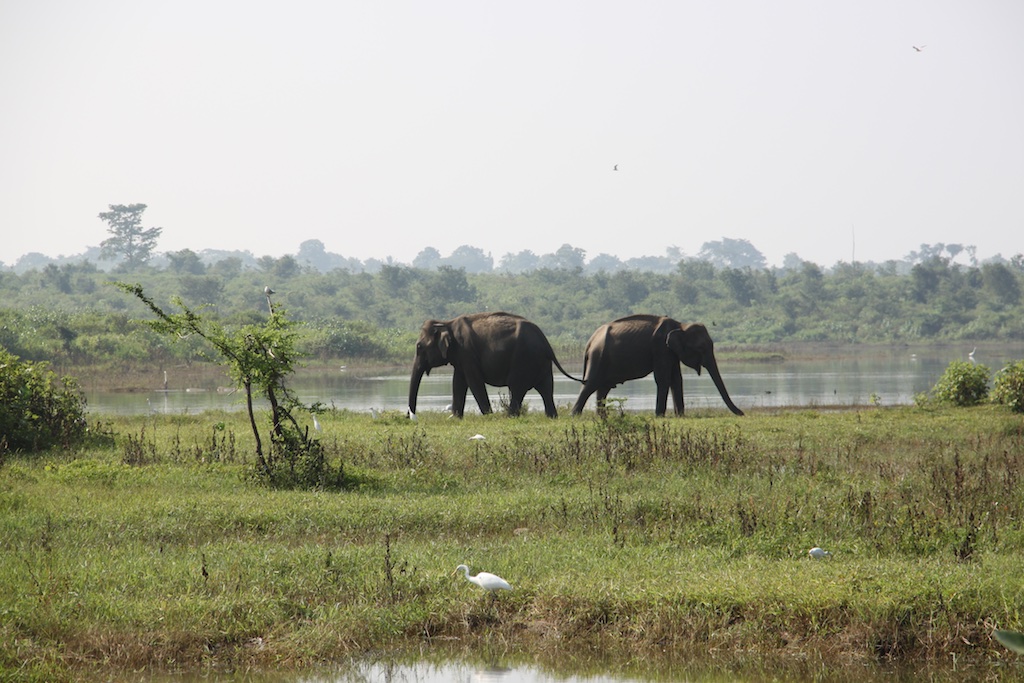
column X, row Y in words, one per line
column 270, row 304
column 489, row 582
column 971, row 354
column 477, row 437
column 818, row 554
column 373, row 413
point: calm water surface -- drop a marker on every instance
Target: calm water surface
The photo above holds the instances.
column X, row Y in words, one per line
column 705, row 669
column 886, row 378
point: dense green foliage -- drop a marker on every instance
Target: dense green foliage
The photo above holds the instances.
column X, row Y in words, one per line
column 68, row 314
column 962, row 384
column 37, row 411
column 635, row 537
column 1008, row 388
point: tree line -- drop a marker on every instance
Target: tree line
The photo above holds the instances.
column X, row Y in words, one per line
column 67, row 310
column 70, row 312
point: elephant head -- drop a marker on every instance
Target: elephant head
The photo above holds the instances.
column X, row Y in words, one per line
column 692, row 344
column 433, row 349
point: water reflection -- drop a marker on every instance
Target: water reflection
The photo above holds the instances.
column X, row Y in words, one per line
column 702, row 667
column 425, row 672
column 891, row 378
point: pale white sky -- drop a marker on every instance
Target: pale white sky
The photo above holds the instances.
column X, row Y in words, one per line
column 387, row 126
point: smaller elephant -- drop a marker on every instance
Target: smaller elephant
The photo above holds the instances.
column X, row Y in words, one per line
column 633, row 347
column 500, row 349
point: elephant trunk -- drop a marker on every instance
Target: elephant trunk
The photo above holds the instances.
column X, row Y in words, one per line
column 418, row 371
column 712, row 367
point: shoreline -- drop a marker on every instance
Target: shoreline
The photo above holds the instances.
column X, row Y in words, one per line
column 131, row 378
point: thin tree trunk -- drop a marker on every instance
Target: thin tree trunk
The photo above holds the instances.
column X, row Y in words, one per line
column 255, row 430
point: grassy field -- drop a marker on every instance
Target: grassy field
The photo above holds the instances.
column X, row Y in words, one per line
column 152, row 550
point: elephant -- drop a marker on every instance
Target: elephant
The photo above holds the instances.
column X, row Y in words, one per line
column 496, row 348
column 633, row 347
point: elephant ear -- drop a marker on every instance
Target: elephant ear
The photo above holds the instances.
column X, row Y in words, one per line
column 683, row 339
column 444, row 342
column 665, row 328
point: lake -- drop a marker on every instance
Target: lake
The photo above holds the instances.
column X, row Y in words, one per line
column 884, row 377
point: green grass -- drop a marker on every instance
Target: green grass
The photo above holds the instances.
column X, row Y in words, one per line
column 152, row 550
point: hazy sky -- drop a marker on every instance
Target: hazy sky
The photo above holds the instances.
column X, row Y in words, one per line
column 382, row 127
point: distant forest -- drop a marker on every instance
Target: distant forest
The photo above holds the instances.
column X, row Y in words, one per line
column 312, row 254
column 67, row 312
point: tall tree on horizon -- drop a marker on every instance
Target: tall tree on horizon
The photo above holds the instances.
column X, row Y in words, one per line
column 128, row 239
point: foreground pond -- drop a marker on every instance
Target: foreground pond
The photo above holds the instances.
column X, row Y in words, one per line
column 704, row 669
column 891, row 377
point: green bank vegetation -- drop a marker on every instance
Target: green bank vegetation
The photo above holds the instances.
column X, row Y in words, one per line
column 69, row 315
column 150, row 548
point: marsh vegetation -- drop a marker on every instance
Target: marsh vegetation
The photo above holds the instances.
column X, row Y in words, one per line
column 150, row 548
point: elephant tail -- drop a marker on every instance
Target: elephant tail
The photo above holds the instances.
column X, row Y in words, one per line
column 559, row 366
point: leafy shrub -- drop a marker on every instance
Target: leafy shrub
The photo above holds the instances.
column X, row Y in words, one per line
column 962, row 384
column 36, row 410
column 258, row 358
column 1008, row 388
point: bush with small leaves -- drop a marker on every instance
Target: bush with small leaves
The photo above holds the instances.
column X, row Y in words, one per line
column 962, row 384
column 37, row 411
column 1008, row 387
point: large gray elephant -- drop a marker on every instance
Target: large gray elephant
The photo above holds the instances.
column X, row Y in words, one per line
column 499, row 349
column 633, row 347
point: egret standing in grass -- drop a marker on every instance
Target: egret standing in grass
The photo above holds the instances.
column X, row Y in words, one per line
column 491, row 583
column 817, row 553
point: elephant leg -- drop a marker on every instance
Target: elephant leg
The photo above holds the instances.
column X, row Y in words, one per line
column 677, row 389
column 459, row 389
column 661, row 403
column 546, row 389
column 581, row 401
column 585, row 393
column 480, row 394
column 602, row 394
column 515, row 402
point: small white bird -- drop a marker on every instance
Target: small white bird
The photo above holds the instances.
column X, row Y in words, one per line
column 489, row 582
column 477, row 437
column 918, row 49
column 373, row 413
column 818, row 554
column 267, row 290
column 971, row 354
